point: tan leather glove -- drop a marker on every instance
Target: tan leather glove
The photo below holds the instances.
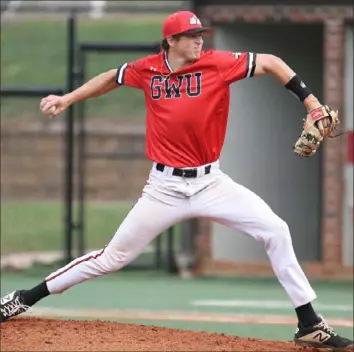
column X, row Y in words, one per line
column 318, row 124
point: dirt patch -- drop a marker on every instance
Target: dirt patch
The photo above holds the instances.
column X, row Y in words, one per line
column 36, row 334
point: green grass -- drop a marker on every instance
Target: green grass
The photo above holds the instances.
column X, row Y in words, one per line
column 29, row 226
column 33, row 53
column 38, row 226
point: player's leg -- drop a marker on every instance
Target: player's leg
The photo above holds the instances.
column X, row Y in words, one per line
column 146, row 220
column 239, row 208
column 155, row 212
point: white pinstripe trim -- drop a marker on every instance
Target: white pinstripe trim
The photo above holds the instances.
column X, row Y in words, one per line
column 121, row 73
column 167, row 63
column 250, row 64
column 75, row 262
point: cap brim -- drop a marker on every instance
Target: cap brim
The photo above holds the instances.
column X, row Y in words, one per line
column 197, row 30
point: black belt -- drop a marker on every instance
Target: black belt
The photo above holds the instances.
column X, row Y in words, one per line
column 190, row 173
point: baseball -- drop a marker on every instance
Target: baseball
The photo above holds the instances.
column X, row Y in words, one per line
column 52, row 110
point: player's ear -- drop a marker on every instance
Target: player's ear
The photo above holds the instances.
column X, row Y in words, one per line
column 170, row 41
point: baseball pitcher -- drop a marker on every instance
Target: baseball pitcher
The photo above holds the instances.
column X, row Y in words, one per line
column 187, row 96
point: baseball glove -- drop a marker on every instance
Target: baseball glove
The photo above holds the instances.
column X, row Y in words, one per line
column 317, row 125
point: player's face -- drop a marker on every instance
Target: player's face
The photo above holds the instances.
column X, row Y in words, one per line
column 189, row 46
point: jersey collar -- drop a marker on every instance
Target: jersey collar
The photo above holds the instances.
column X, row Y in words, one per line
column 166, row 62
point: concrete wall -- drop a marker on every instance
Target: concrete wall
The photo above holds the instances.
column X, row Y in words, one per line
column 265, row 120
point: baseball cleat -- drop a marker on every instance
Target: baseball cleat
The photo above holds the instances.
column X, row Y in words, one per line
column 11, row 305
column 321, row 335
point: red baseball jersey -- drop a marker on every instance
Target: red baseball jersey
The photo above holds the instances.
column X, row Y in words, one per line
column 187, row 110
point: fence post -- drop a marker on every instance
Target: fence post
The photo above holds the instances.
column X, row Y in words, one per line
column 69, row 139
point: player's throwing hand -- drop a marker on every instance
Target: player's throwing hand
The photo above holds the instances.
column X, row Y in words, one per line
column 53, row 105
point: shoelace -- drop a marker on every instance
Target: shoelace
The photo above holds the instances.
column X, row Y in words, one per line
column 323, row 324
column 13, row 308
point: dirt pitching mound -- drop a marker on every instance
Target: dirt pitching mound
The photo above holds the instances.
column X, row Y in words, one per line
column 35, row 334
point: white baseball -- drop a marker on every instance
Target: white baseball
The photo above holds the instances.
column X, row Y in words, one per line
column 48, row 111
column 52, row 110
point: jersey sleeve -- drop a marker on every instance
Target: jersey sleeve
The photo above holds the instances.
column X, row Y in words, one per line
column 236, row 66
column 129, row 75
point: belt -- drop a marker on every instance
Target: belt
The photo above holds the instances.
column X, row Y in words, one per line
column 189, row 173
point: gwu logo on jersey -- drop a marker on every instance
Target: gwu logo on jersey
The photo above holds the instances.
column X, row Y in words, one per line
column 191, row 83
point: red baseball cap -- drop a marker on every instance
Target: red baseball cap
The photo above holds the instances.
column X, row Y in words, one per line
column 182, row 22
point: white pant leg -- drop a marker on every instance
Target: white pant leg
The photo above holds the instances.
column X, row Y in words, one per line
column 154, row 213
column 237, row 207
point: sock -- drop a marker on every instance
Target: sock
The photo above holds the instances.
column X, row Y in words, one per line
column 36, row 293
column 307, row 315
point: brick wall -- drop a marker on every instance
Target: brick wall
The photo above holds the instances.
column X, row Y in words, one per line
column 333, row 19
column 334, row 158
column 32, row 165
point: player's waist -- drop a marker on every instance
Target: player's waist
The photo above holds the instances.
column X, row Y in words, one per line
column 187, row 172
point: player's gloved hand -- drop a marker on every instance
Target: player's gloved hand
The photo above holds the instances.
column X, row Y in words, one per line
column 318, row 124
column 53, row 105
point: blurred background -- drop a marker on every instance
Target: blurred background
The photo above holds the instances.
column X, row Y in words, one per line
column 67, row 184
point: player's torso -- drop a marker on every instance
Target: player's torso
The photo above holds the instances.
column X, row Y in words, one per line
column 186, row 110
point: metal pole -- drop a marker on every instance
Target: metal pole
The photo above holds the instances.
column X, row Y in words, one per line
column 69, row 141
column 158, row 258
column 171, row 263
column 81, row 157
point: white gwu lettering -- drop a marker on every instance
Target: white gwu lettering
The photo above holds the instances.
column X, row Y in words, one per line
column 163, row 87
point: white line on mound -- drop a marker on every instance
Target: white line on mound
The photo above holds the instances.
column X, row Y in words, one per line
column 173, row 316
column 266, row 304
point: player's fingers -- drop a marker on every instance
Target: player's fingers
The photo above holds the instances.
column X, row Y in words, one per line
column 47, row 109
column 56, row 110
column 321, row 128
column 49, row 99
column 327, row 126
column 49, row 104
column 42, row 103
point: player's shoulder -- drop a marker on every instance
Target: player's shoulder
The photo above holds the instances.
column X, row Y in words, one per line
column 147, row 61
column 220, row 54
column 214, row 56
column 208, row 54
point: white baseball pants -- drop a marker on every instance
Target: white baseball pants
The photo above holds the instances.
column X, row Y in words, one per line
column 168, row 199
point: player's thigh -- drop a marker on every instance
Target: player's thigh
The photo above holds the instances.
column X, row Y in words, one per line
column 150, row 217
column 236, row 206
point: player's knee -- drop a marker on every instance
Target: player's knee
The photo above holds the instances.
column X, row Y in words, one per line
column 115, row 259
column 283, row 230
column 279, row 231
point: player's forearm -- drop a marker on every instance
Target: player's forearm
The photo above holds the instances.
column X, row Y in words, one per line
column 270, row 64
column 95, row 87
